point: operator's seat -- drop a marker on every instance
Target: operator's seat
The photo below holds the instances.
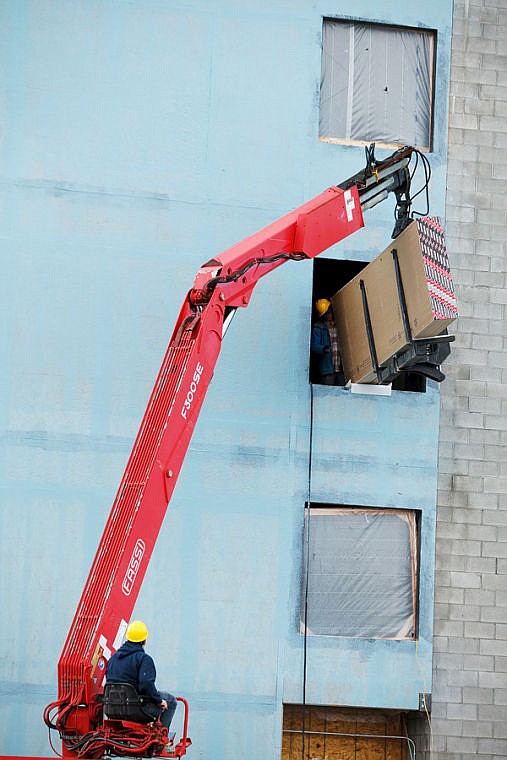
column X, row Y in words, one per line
column 122, row 702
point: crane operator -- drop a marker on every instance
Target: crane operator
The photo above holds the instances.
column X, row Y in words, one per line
column 131, row 664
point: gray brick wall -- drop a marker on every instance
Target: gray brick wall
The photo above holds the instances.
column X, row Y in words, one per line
column 469, row 716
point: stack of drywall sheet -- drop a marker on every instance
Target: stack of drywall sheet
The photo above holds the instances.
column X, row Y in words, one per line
column 429, row 295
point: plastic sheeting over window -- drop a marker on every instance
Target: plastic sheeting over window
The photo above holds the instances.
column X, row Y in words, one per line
column 362, row 574
column 377, row 84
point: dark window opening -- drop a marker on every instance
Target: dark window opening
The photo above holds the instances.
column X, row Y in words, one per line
column 329, row 275
column 409, row 381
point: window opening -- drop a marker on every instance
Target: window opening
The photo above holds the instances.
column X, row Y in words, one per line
column 376, row 84
column 329, row 275
column 362, row 572
column 335, row 733
column 409, row 381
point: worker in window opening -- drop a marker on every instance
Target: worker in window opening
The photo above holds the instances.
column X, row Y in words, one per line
column 130, row 664
column 325, row 346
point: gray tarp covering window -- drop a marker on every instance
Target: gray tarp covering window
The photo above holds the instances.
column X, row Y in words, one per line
column 376, row 83
column 362, row 573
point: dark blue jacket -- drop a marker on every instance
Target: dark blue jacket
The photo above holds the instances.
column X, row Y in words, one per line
column 131, row 664
column 321, row 345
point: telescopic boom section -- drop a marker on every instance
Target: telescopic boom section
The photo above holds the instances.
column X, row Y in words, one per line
column 220, row 286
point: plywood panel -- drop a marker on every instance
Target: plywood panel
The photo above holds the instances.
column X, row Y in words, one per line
column 341, row 747
column 396, row 749
column 334, row 733
column 370, row 723
column 317, row 724
column 290, row 722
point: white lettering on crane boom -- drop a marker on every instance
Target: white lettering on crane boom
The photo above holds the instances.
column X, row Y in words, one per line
column 133, row 568
column 189, row 398
column 350, row 204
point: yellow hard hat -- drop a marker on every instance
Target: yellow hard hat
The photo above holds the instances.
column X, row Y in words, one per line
column 137, row 631
column 322, row 305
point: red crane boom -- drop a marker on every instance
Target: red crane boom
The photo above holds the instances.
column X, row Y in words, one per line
column 221, row 285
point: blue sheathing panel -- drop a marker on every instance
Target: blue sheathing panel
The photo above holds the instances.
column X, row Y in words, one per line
column 373, row 451
column 137, row 140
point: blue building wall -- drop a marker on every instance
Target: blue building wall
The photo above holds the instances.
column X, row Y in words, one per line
column 137, row 141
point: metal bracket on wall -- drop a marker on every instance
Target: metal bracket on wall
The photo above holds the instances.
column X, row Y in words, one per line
column 425, row 702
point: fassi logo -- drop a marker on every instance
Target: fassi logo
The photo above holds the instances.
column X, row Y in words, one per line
column 133, row 568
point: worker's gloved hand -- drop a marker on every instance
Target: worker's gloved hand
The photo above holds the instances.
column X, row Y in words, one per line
column 163, row 705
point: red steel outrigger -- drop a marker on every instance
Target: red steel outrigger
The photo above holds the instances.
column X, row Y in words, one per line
column 220, row 287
